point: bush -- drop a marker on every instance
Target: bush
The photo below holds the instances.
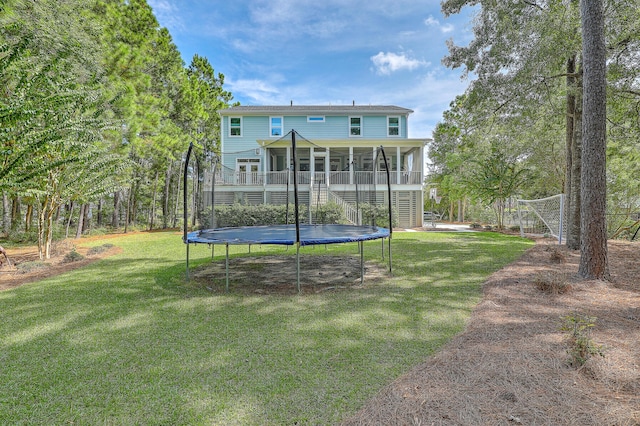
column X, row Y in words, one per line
column 581, row 346
column 72, row 256
column 328, row 213
column 377, row 215
column 237, row 215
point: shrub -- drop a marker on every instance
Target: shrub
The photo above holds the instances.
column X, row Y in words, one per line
column 328, row 213
column 581, row 346
column 72, row 256
column 377, row 215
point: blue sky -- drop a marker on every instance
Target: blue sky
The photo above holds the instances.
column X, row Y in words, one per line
column 321, row 52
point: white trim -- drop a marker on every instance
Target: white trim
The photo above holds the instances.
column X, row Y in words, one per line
column 235, row 127
column 271, row 117
column 399, row 127
column 353, row 127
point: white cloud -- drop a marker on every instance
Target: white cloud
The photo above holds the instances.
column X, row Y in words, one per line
column 386, row 63
column 261, row 92
column 433, row 22
column 168, row 14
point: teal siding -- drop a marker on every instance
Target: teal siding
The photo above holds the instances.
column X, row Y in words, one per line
column 374, row 127
column 244, row 146
column 335, row 127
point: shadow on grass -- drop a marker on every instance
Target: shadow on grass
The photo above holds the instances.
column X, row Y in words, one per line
column 126, row 341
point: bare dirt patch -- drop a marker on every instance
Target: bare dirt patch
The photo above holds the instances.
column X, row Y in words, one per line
column 278, row 274
column 510, row 365
column 18, row 273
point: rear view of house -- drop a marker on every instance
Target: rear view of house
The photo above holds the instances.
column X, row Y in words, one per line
column 337, row 145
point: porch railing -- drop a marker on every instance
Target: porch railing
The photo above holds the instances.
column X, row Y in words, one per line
column 230, row 177
column 354, row 216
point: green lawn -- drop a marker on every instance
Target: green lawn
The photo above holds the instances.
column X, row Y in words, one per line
column 126, row 341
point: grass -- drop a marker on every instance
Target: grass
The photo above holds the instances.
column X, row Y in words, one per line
column 126, row 341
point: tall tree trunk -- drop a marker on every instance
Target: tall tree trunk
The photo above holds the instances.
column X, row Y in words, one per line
column 569, row 135
column 165, row 196
column 16, row 215
column 177, row 200
column 42, row 222
column 153, row 202
column 83, row 208
column 100, row 206
column 573, row 225
column 49, row 234
column 126, row 216
column 593, row 248
column 86, row 223
column 28, row 217
column 115, row 218
column 66, row 231
column 6, row 214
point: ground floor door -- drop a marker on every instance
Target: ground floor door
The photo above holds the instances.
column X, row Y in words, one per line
column 247, row 171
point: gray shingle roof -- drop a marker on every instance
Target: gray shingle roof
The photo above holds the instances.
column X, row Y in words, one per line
column 316, row 109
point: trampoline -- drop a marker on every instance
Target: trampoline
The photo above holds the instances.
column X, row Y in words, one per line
column 286, row 234
column 297, row 234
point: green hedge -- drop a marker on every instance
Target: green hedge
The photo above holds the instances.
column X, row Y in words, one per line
column 267, row 214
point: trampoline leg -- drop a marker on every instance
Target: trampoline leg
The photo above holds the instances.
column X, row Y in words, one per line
column 382, row 240
column 298, row 266
column 361, row 262
column 390, row 271
column 226, row 267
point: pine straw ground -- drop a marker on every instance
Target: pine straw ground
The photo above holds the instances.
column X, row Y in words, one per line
column 510, row 365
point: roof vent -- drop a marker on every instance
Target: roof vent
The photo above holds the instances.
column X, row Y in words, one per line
column 292, row 103
column 354, row 102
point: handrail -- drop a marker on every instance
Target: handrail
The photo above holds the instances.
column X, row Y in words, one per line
column 351, row 213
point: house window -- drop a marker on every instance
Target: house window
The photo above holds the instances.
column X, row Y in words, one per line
column 355, row 126
column 393, row 126
column 275, row 126
column 235, row 126
column 315, row 119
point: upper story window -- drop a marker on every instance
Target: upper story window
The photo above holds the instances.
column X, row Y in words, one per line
column 355, row 126
column 275, row 126
column 235, row 126
column 393, row 126
column 315, row 119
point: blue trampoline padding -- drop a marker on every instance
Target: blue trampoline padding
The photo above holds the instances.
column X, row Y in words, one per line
column 286, row 234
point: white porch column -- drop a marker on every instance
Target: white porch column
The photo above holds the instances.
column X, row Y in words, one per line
column 327, row 167
column 351, row 180
column 398, row 165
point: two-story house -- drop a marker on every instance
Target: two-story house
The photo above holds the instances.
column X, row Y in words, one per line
column 335, row 150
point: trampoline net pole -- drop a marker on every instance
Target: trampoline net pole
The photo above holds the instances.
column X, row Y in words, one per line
column 187, row 261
